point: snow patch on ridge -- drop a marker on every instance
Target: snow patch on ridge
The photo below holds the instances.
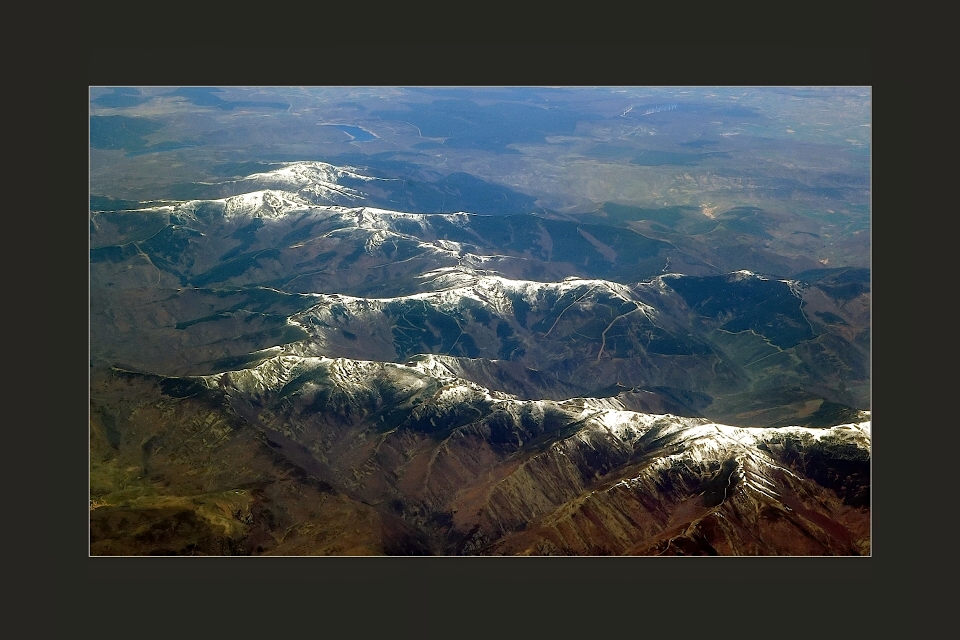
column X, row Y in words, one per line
column 266, row 203
column 451, row 285
column 304, row 174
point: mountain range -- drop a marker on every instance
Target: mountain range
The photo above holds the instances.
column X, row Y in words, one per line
column 288, row 364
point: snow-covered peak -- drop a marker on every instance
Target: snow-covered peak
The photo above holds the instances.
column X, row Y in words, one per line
column 302, row 174
column 744, row 274
column 318, row 182
column 461, row 277
column 449, row 286
column 267, row 203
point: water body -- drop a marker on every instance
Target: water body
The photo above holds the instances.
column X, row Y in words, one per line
column 358, row 134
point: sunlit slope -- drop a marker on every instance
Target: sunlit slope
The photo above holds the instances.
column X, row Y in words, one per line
column 409, row 459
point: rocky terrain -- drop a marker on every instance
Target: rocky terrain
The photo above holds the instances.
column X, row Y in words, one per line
column 312, row 455
column 289, row 368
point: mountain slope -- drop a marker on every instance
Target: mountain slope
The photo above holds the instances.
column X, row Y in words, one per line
column 464, row 470
column 490, row 290
column 283, row 369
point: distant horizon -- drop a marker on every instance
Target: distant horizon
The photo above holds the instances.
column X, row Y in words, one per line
column 389, row 320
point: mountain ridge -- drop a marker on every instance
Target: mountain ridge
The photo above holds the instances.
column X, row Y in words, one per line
column 454, row 383
column 416, row 455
